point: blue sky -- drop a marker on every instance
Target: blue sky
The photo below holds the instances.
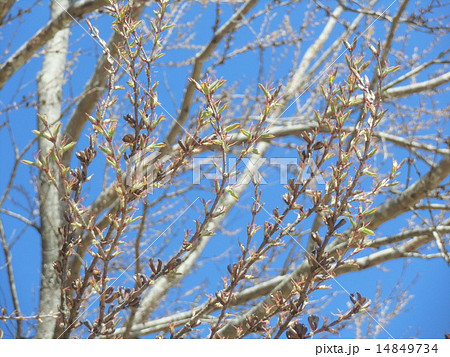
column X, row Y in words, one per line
column 426, row 315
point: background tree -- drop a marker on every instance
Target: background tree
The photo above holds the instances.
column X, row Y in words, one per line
column 133, row 243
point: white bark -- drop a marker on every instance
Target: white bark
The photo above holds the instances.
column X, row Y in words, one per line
column 299, row 79
column 417, row 87
column 50, row 82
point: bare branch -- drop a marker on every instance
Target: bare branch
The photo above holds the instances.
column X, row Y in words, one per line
column 419, row 87
column 298, row 79
column 404, row 201
column 7, row 4
column 385, row 255
column 379, row 242
column 11, row 279
column 416, row 70
column 21, row 218
column 27, row 50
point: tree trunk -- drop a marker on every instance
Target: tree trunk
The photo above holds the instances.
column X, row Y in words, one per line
column 50, row 82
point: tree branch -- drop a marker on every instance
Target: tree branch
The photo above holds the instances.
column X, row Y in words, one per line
column 385, row 255
column 21, row 218
column 11, row 280
column 416, row 70
column 404, row 201
column 299, row 78
column 430, row 84
column 200, row 59
column 4, row 9
column 265, row 288
column 162, row 324
column 379, row 242
column 165, row 283
column 49, row 85
column 94, row 88
column 386, row 212
column 28, row 49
